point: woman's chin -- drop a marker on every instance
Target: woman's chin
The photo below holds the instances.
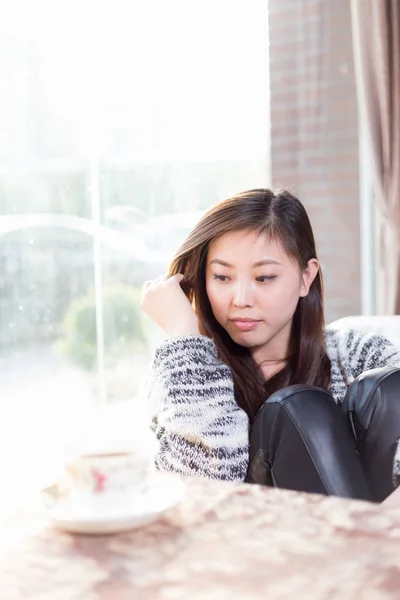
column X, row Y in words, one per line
column 244, row 339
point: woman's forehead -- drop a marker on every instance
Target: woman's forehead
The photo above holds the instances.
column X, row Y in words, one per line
column 239, row 246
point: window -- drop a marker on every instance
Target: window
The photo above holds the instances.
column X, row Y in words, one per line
column 121, row 123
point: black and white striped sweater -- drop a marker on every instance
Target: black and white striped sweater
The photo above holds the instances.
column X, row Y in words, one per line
column 200, row 428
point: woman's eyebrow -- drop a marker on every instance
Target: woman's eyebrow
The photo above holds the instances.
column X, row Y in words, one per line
column 266, row 261
column 259, row 263
column 218, row 261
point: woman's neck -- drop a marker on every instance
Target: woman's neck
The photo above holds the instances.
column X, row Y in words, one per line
column 269, row 368
column 272, row 357
column 267, row 356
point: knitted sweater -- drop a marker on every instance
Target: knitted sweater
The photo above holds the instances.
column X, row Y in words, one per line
column 199, row 426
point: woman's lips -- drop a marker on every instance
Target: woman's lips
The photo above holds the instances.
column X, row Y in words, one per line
column 245, row 324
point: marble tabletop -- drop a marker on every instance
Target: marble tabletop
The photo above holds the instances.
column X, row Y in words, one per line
column 224, row 541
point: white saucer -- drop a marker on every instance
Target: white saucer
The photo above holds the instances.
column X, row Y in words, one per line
column 164, row 490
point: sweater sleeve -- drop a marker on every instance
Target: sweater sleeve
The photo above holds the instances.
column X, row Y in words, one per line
column 199, row 426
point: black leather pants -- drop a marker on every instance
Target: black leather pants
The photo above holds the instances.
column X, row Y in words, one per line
column 301, row 440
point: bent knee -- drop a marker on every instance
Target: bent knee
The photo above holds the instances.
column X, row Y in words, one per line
column 294, row 394
column 298, row 399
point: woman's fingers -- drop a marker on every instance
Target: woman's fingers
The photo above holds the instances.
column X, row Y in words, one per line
column 165, row 302
column 153, row 282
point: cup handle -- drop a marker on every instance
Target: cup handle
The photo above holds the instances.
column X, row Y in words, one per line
column 52, row 494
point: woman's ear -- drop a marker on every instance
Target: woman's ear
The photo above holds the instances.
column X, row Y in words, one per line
column 308, row 276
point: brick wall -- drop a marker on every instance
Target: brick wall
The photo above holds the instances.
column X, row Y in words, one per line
column 314, row 134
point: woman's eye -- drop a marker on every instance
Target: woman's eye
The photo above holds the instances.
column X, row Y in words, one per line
column 221, row 277
column 265, row 278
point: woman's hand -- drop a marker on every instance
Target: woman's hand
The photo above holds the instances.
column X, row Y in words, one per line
column 165, row 302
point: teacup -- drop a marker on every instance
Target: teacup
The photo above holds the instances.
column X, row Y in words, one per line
column 101, row 479
column 106, row 464
column 106, row 472
column 102, row 475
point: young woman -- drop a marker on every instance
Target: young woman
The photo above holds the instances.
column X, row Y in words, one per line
column 250, row 385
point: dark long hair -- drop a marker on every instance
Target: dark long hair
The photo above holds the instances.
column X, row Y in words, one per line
column 279, row 216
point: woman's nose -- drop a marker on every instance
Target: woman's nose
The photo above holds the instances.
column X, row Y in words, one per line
column 243, row 295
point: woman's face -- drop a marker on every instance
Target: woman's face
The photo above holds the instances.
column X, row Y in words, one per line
column 254, row 287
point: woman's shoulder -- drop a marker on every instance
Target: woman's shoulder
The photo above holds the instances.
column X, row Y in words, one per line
column 344, row 337
column 350, row 337
column 360, row 348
